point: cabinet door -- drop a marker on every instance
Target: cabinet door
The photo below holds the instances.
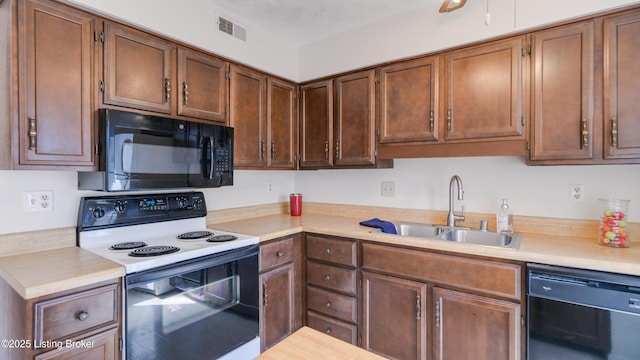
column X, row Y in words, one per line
column 316, row 128
column 137, row 70
column 202, row 86
column 562, row 92
column 394, row 319
column 247, row 111
column 622, row 86
column 282, row 124
column 277, row 318
column 475, row 327
column 484, row 91
column 407, row 101
column 56, row 54
column 355, row 119
column 104, row 346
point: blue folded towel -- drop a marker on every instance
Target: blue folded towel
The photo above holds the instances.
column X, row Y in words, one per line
column 385, row 226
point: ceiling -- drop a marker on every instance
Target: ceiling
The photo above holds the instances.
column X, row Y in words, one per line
column 305, row 21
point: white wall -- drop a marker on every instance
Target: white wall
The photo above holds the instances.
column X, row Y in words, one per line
column 531, row 190
column 250, row 188
column 194, row 22
column 426, row 30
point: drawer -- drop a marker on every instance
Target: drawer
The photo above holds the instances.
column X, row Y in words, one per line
column 329, row 303
column 337, row 329
column 276, row 253
column 490, row 277
column 331, row 277
column 68, row 316
column 337, row 251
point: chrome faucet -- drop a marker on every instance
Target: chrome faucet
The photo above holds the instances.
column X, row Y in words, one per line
column 453, row 217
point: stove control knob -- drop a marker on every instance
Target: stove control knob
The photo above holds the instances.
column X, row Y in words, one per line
column 120, row 207
column 197, row 203
column 182, row 202
column 98, row 212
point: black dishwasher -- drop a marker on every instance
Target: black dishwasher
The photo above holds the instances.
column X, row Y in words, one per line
column 582, row 314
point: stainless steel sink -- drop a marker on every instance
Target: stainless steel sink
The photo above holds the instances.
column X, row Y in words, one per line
column 419, row 230
column 458, row 234
column 486, row 238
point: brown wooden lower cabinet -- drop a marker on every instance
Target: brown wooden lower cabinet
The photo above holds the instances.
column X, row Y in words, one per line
column 394, row 324
column 280, row 289
column 469, row 326
column 81, row 323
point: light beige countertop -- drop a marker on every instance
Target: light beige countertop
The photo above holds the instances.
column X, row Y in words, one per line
column 564, row 250
column 309, row 344
column 34, row 274
column 42, row 273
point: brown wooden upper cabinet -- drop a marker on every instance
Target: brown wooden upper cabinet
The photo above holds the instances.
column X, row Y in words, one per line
column 316, row 124
column 355, row 119
column 202, row 86
column 138, row 70
column 562, row 78
column 149, row 73
column 483, row 91
column 264, row 115
column 622, row 86
column 407, row 101
column 56, row 58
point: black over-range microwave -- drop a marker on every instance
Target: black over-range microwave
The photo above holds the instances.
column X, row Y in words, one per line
column 140, row 152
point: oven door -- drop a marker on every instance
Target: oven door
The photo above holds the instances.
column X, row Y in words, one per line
column 199, row 309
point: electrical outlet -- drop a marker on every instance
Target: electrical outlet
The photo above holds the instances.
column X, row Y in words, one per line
column 38, row 201
column 388, row 188
column 576, row 192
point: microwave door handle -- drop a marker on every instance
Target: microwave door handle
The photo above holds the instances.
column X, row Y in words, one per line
column 211, row 157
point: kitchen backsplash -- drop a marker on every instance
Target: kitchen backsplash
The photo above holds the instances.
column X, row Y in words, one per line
column 419, row 184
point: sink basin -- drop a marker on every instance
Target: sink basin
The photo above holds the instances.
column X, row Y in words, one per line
column 419, row 230
column 457, row 234
column 486, row 238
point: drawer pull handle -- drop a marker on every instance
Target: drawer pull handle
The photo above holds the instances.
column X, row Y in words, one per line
column 328, row 330
column 279, row 254
column 328, row 251
column 83, row 315
column 328, row 304
column 327, row 277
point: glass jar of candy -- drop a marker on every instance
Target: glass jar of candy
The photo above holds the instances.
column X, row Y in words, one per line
column 613, row 222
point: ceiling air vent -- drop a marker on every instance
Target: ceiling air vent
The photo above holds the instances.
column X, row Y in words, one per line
column 232, row 29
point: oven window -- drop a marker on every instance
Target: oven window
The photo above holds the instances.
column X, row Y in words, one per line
column 200, row 314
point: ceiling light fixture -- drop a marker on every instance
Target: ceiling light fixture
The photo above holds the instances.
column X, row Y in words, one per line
column 450, row 5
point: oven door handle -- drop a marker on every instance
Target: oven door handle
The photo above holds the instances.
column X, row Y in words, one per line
column 200, row 263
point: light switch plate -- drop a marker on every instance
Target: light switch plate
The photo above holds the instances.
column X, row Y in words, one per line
column 38, row 201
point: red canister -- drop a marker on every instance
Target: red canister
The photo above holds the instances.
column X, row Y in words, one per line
column 295, row 204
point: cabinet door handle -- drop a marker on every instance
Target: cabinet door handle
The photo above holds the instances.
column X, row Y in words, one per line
column 264, row 295
column 33, row 134
column 279, row 254
column 337, row 148
column 418, row 307
column 273, row 150
column 327, row 277
column 431, row 121
column 83, row 315
column 614, row 132
column 585, row 132
column 328, row 304
column 449, row 120
column 167, row 90
column 262, row 146
column 438, row 315
column 328, row 330
column 328, row 251
column 185, row 93
column 326, row 149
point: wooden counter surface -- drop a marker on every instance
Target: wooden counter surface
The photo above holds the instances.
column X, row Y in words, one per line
column 310, row 344
column 42, row 273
